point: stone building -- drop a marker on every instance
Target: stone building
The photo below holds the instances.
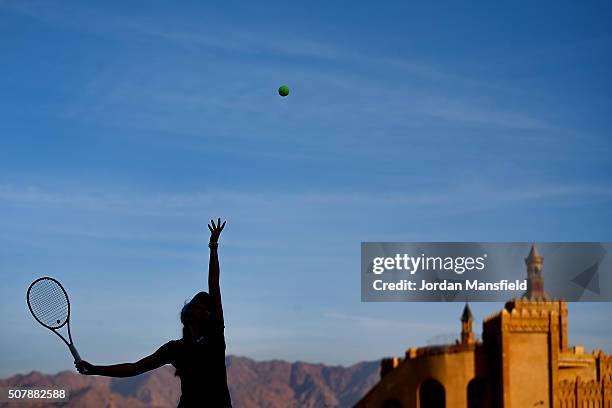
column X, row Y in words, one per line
column 522, row 361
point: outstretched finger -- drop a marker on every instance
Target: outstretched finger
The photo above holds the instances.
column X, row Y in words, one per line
column 213, row 224
column 223, row 224
column 211, row 230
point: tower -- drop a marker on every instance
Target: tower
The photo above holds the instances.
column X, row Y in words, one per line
column 535, row 282
column 467, row 320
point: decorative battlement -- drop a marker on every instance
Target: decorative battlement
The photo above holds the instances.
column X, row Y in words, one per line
column 529, row 320
column 388, row 364
column 415, row 353
column 522, row 303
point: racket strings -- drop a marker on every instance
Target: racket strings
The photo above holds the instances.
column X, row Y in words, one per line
column 51, row 312
column 49, row 303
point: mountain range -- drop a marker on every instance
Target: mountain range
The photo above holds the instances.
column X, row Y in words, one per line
column 253, row 384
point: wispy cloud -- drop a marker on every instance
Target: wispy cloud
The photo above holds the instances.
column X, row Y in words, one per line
column 136, row 99
column 188, row 203
column 195, row 36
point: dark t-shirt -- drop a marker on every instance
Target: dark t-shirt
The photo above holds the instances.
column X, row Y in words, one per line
column 201, row 367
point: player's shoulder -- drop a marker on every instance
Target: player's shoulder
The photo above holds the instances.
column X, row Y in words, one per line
column 171, row 346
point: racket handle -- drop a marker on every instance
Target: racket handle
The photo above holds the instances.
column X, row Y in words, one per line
column 75, row 353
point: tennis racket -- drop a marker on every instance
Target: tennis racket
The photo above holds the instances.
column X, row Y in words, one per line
column 48, row 302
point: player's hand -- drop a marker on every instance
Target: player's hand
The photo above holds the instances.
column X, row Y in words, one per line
column 215, row 230
column 84, row 367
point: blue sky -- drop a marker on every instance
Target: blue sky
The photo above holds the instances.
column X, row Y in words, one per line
column 125, row 126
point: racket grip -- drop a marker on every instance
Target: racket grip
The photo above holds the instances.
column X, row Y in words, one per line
column 75, row 353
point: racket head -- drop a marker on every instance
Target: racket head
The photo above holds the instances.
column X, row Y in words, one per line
column 48, row 302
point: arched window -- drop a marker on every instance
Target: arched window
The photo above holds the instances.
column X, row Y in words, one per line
column 432, row 395
column 478, row 395
column 392, row 403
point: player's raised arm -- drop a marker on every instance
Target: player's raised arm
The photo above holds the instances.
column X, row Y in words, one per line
column 213, row 268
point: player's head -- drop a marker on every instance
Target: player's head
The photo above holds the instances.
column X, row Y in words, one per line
column 196, row 315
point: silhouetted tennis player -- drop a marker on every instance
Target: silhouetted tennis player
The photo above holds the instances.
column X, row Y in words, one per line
column 199, row 356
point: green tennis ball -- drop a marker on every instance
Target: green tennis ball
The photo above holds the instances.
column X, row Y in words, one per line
column 283, row 90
